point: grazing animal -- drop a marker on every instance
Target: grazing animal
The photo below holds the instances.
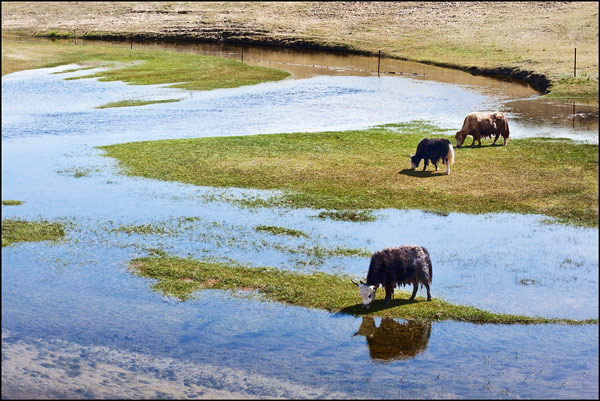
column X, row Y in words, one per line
column 433, row 150
column 394, row 340
column 484, row 125
column 407, row 264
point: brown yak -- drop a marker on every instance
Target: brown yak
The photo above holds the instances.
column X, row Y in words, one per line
column 483, row 125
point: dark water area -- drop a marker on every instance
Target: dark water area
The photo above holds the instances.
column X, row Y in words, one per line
column 76, row 323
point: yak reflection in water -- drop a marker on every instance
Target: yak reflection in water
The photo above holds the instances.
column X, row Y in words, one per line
column 393, row 340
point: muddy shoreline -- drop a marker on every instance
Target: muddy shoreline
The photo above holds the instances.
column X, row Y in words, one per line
column 539, row 82
column 528, row 41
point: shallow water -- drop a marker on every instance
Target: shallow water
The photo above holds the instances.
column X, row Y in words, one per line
column 73, row 307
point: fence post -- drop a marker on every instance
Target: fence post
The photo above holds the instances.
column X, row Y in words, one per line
column 242, row 54
column 74, row 36
column 131, row 43
column 378, row 62
column 575, row 64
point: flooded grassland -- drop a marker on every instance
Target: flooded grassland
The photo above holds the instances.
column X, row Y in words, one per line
column 77, row 323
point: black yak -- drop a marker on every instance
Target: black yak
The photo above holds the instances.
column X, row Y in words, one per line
column 484, row 125
column 433, row 150
column 407, row 264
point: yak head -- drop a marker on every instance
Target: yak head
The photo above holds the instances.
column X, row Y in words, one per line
column 367, row 293
column 414, row 161
column 460, row 138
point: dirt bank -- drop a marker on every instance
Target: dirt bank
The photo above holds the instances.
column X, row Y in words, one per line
column 533, row 41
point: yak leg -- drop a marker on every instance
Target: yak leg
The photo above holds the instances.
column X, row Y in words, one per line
column 415, row 288
column 495, row 139
column 425, row 163
column 447, row 168
column 389, row 292
column 428, row 292
column 473, row 143
column 436, row 167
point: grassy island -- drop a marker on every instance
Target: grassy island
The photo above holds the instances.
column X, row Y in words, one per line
column 368, row 169
column 181, row 277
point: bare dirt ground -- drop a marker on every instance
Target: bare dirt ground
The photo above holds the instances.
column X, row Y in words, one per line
column 501, row 37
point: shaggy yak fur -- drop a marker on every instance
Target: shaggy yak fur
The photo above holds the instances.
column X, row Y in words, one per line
column 484, row 125
column 433, row 150
column 408, row 264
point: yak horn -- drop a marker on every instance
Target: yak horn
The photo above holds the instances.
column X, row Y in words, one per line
column 355, row 283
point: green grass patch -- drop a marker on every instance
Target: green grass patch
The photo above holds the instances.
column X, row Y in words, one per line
column 368, row 169
column 17, row 230
column 12, row 202
column 321, row 252
column 582, row 87
column 281, row 231
column 181, row 277
column 139, row 67
column 76, row 69
column 132, row 102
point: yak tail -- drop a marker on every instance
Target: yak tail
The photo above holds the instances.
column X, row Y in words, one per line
column 450, row 154
column 428, row 259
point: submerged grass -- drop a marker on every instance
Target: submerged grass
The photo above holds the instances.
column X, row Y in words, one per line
column 281, row 231
column 141, row 229
column 12, row 202
column 347, row 215
column 17, row 230
column 133, row 102
column 368, row 169
column 181, row 277
column 139, row 67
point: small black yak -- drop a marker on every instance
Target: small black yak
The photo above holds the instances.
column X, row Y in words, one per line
column 433, row 150
column 407, row 264
column 483, row 125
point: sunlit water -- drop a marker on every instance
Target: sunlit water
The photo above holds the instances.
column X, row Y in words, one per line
column 95, row 330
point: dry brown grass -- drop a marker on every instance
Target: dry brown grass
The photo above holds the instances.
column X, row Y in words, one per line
column 531, row 36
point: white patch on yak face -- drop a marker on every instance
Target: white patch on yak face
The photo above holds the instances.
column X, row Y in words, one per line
column 412, row 164
column 367, row 293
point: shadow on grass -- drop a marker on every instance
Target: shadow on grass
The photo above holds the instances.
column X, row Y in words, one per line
column 423, row 174
column 477, row 146
column 376, row 306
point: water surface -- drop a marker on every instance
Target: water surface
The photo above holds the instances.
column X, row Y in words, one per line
column 76, row 323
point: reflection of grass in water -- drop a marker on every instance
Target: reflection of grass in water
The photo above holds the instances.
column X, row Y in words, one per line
column 180, row 277
column 368, row 169
column 133, row 102
column 29, row 231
